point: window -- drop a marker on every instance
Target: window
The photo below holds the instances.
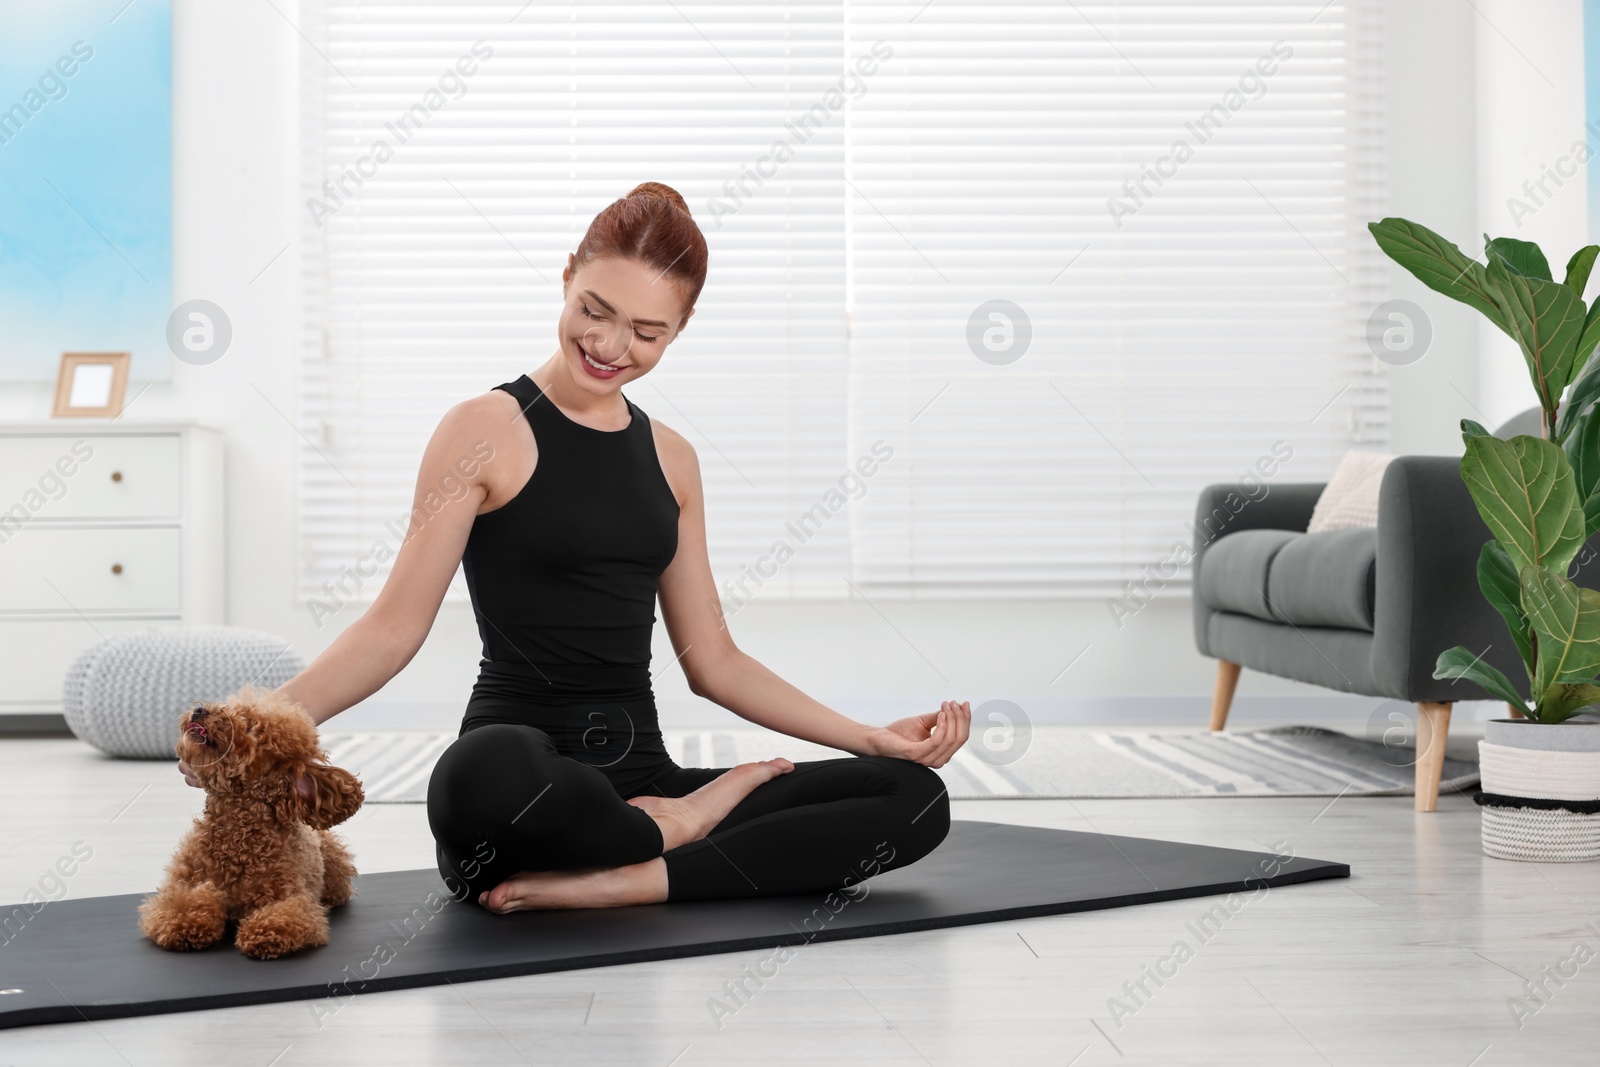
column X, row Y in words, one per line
column 994, row 291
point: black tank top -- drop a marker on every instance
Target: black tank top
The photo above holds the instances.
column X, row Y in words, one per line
column 566, row 572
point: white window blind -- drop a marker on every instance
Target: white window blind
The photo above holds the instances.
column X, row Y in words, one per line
column 889, row 167
column 1219, row 310
column 440, row 276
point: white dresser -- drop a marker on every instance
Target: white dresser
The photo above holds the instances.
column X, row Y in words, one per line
column 104, row 527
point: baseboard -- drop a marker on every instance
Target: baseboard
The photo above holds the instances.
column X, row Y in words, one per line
column 33, row 724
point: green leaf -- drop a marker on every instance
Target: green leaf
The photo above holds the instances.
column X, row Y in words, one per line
column 1502, row 588
column 1438, row 264
column 1588, row 338
column 1459, row 663
column 1525, row 492
column 1567, row 620
column 1563, row 701
column 1470, row 429
column 1546, row 321
column 1523, row 257
column 1582, row 448
column 1578, row 268
column 1585, row 391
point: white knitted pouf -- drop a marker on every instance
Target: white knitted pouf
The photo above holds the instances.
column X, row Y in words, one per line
column 124, row 695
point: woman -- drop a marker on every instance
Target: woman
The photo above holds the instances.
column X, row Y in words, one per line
column 558, row 791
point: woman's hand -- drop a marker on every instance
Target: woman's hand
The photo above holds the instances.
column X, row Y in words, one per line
column 930, row 739
column 188, row 774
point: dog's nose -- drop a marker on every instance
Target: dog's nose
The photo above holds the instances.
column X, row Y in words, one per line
column 197, row 713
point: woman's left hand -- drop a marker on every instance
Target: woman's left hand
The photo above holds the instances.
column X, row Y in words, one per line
column 930, row 739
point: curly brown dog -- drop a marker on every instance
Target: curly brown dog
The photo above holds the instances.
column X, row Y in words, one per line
column 262, row 853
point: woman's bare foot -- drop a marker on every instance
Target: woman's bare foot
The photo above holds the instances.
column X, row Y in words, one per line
column 611, row 887
column 690, row 817
column 681, row 819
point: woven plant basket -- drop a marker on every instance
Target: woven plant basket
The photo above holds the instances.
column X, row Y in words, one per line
column 1541, row 790
column 1539, row 835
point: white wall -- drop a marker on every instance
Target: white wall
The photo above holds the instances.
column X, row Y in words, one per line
column 236, row 208
column 1529, row 62
column 1433, row 157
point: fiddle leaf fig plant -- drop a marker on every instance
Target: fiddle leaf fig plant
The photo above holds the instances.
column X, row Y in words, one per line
column 1528, row 496
column 1539, row 496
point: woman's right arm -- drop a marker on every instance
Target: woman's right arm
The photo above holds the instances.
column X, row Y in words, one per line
column 464, row 464
column 457, row 473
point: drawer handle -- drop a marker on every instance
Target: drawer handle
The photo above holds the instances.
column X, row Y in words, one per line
column 116, row 568
column 116, row 476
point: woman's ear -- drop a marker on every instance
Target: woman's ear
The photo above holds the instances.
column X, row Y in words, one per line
column 321, row 796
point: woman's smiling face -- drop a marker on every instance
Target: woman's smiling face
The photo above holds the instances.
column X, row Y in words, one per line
column 619, row 314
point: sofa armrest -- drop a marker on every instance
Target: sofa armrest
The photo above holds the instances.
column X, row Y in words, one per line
column 1227, row 508
column 1427, row 597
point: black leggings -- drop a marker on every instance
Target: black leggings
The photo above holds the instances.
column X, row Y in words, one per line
column 504, row 799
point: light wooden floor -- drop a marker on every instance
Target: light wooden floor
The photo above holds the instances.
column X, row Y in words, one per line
column 1410, row 961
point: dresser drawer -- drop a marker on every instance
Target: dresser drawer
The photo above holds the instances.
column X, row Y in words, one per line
column 35, row 654
column 89, row 477
column 92, row 569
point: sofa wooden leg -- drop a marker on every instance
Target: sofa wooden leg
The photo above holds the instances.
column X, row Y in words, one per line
column 1222, row 698
column 1433, row 730
column 1516, row 712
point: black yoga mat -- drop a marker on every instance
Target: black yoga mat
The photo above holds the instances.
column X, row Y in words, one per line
column 86, row 959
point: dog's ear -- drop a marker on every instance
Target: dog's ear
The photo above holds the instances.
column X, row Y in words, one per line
column 321, row 795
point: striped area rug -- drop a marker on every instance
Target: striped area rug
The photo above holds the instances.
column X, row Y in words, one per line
column 1059, row 762
column 393, row 765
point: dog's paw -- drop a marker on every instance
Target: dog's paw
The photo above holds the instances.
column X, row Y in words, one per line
column 337, row 898
column 184, row 918
column 282, row 927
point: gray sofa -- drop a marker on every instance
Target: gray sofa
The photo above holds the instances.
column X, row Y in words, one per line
column 1361, row 611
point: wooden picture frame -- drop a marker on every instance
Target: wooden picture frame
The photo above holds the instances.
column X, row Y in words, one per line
column 92, row 392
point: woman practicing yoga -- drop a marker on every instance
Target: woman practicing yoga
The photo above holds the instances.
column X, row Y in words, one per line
column 570, row 511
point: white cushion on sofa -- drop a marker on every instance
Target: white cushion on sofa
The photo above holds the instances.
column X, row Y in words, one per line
column 1350, row 500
